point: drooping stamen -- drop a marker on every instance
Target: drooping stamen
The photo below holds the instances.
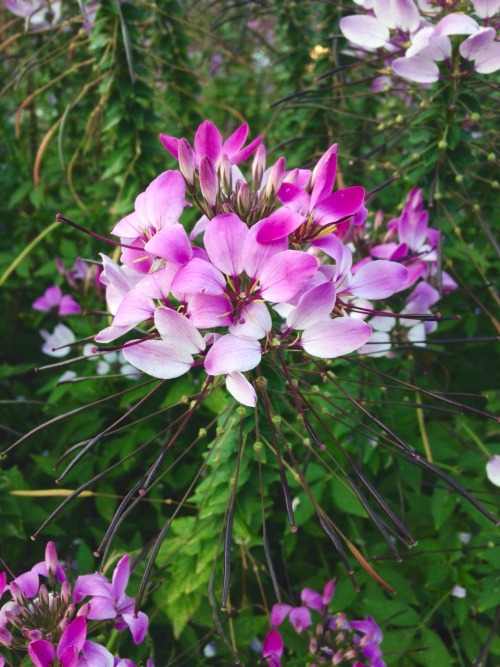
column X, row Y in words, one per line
column 60, row 218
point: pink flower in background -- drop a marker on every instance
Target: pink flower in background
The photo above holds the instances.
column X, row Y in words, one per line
column 54, row 298
column 37, row 13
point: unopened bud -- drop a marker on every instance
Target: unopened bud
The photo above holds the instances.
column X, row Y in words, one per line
column 51, row 562
column 66, row 592
column 224, row 173
column 70, row 612
column 63, row 624
column 258, row 165
column 491, row 157
column 43, row 595
column 442, row 144
column 243, row 199
column 459, row 178
column 275, row 179
column 84, row 610
column 495, row 185
column 186, row 161
column 17, row 593
column 475, row 117
column 208, row 181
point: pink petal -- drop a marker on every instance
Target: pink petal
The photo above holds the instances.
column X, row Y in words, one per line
column 311, row 599
column 171, row 144
column 241, row 389
column 121, row 575
column 485, row 9
column 324, row 178
column 178, row 331
column 300, row 618
column 68, row 306
column 230, row 353
column 488, row 60
column 278, row 614
column 138, row 625
column 102, row 608
column 50, row 299
column 417, row 68
column 316, row 304
column 235, row 141
column 73, row 636
column 158, row 358
column 334, row 338
column 90, row 584
column 256, row 254
column 129, row 226
column 272, row 644
column 405, row 15
column 199, row 277
column 340, row 204
column 42, row 653
column 171, row 243
column 134, row 308
column 207, row 311
column 295, row 198
column 456, row 24
column 475, row 45
column 95, row 655
column 285, row 274
column 254, row 321
column 365, row 31
column 244, row 153
column 28, row 582
column 164, row 200
column 279, row 225
column 378, row 280
column 223, row 240
column 208, row 141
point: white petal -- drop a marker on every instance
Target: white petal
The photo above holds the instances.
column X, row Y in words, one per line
column 493, row 470
column 365, row 31
column 239, row 387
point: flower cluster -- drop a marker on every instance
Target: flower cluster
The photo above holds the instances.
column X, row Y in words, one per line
column 273, row 273
column 332, row 639
column 49, row 619
column 40, row 14
column 401, row 25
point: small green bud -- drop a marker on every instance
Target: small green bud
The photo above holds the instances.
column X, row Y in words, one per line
column 257, row 446
column 415, row 156
column 276, row 419
column 202, row 433
column 372, row 167
column 437, row 196
column 459, row 178
column 495, row 185
column 219, row 431
column 399, row 118
column 442, row 144
column 491, row 157
column 240, row 411
column 184, row 399
column 475, row 117
column 380, row 127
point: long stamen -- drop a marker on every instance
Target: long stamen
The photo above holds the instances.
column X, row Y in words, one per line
column 71, row 223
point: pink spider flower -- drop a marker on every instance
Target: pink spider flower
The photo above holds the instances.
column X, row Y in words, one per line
column 208, row 143
column 54, row 298
column 109, row 601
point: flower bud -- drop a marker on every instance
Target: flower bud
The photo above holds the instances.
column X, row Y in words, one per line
column 243, row 199
column 43, row 596
column 224, row 173
column 208, row 182
column 186, row 161
column 258, row 166
column 84, row 610
column 276, row 176
column 66, row 593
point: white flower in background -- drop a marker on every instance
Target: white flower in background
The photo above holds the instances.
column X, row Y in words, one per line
column 493, row 470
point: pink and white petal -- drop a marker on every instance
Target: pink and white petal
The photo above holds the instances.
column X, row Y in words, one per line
column 199, row 277
column 340, row 204
column 208, row 141
column 42, row 653
column 485, row 9
column 300, row 618
column 278, row 614
column 108, row 334
column 417, row 68
column 179, row 331
column 199, row 227
column 129, row 226
column 456, row 24
column 138, row 625
column 171, row 144
column 224, row 239
column 378, row 344
column 118, row 280
column 95, row 655
column 416, row 334
column 279, row 225
column 378, row 280
column 365, row 31
column 241, row 389
column 488, row 60
column 230, row 353
column 135, row 308
column 165, row 199
column 254, row 321
column 383, row 12
column 158, row 358
column 171, row 243
column 74, row 636
column 316, row 304
column 256, row 254
column 405, row 15
column 493, row 470
column 334, row 338
column 286, row 274
column 102, row 608
column 206, row 311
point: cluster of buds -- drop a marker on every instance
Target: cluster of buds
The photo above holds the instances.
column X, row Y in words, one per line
column 273, row 272
column 50, row 621
column 400, row 25
column 331, row 640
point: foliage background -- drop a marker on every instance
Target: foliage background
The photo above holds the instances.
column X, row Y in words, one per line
column 81, row 113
